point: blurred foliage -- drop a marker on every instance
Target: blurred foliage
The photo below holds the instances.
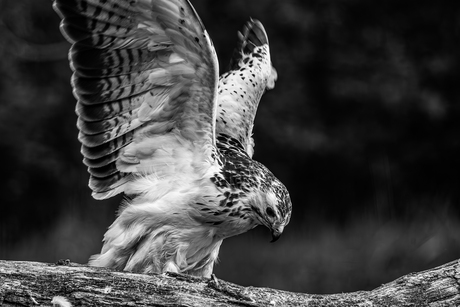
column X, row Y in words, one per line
column 362, row 127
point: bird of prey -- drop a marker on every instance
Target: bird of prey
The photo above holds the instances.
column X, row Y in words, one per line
column 158, row 124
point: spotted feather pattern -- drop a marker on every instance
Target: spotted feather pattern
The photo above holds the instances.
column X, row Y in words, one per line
column 241, row 88
column 240, row 176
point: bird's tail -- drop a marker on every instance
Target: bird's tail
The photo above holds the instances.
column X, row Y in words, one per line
column 129, row 248
column 119, row 246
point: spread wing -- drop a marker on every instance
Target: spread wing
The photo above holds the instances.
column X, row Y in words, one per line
column 241, row 88
column 145, row 76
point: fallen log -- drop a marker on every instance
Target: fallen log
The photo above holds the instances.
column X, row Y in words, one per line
column 68, row 284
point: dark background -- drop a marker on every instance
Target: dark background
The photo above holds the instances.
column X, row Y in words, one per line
column 362, row 127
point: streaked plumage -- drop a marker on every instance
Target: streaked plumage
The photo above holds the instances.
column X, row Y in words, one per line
column 157, row 124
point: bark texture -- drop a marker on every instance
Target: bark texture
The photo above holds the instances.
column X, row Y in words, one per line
column 36, row 284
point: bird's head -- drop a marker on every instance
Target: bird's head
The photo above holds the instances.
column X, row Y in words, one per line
column 273, row 207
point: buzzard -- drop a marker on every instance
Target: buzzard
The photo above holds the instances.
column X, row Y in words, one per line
column 158, row 124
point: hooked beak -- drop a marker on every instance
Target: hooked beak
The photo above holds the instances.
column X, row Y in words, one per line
column 275, row 237
column 276, row 233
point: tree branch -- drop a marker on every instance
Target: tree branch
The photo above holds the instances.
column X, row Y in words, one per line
column 33, row 284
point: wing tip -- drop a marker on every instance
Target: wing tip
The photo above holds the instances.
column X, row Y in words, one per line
column 104, row 188
column 252, row 35
column 256, row 31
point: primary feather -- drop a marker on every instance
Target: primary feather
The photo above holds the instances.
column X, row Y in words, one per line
column 157, row 124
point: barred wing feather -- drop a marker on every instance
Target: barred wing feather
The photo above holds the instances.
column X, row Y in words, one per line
column 145, row 76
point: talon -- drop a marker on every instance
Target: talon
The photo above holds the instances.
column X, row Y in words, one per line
column 214, row 281
column 63, row 262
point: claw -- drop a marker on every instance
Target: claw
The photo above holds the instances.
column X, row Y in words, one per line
column 214, row 281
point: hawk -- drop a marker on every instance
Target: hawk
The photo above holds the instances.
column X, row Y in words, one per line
column 158, row 124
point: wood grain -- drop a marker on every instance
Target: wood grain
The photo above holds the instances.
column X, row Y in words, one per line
column 35, row 284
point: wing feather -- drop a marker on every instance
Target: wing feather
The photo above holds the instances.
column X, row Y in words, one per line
column 98, row 112
column 241, row 88
column 145, row 77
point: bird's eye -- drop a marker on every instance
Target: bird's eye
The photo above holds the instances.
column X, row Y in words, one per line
column 270, row 212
